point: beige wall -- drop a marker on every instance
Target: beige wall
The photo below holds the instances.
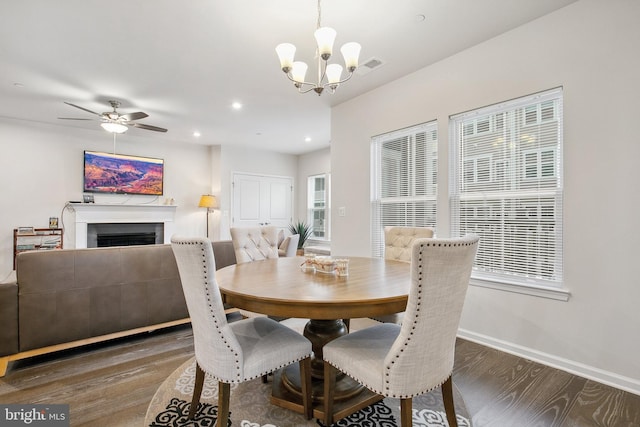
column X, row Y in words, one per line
column 590, row 48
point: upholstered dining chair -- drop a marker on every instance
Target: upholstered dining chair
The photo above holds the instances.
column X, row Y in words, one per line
column 254, row 244
column 289, row 246
column 402, row 361
column 398, row 242
column 238, row 351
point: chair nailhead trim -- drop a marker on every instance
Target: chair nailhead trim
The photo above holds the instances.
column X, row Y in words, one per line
column 238, row 378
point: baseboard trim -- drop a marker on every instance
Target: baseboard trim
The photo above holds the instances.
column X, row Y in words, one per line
column 612, row 379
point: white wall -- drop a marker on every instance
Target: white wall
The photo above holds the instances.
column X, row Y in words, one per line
column 251, row 161
column 591, row 49
column 41, row 170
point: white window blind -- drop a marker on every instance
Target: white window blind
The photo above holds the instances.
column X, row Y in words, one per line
column 403, row 181
column 506, row 186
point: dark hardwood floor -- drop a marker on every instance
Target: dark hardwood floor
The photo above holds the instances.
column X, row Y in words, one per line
column 500, row 389
column 111, row 384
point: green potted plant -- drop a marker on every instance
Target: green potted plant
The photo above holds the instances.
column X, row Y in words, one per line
column 304, row 230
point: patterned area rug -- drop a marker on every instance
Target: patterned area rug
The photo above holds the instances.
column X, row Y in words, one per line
column 250, row 407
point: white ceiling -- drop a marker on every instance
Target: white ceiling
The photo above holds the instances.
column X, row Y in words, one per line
column 185, row 62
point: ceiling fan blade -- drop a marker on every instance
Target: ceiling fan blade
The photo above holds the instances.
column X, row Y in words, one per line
column 134, row 116
column 72, row 118
column 82, row 108
column 147, row 127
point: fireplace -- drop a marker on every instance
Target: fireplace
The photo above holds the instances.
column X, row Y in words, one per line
column 119, row 220
column 124, row 234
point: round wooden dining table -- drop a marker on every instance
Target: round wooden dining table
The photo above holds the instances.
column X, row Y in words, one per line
column 283, row 288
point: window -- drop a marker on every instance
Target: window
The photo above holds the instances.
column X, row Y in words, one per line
column 506, row 186
column 539, row 113
column 539, row 164
column 403, row 181
column 481, row 125
column 317, row 206
column 477, row 170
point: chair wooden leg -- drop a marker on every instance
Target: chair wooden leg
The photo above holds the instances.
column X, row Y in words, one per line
column 329, row 386
column 197, row 391
column 447, row 397
column 224, row 392
column 406, row 414
column 305, row 376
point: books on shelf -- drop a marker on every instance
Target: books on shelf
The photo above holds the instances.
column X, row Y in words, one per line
column 35, row 239
column 25, row 230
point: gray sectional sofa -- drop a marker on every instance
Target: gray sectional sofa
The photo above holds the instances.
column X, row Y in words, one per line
column 72, row 297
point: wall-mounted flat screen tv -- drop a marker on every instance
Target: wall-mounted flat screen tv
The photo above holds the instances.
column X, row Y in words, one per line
column 122, row 174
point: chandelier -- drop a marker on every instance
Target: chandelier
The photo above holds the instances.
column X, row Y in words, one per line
column 329, row 75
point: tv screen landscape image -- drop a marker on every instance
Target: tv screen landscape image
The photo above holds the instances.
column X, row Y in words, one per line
column 122, row 174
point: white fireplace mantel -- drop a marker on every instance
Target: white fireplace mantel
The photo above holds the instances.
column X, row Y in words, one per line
column 92, row 213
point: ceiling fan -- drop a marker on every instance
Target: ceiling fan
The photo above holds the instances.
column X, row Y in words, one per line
column 115, row 122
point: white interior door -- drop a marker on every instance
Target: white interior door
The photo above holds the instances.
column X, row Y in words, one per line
column 262, row 200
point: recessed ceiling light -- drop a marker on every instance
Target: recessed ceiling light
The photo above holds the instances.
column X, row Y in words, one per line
column 196, row 134
column 307, row 139
column 236, row 106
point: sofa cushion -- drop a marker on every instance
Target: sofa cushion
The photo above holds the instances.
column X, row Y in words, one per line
column 72, row 294
column 93, row 292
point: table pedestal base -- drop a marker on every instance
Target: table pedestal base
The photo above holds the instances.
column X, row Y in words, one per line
column 285, row 398
column 349, row 395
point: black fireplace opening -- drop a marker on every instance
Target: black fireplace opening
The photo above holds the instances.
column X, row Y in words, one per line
column 102, row 235
column 126, row 239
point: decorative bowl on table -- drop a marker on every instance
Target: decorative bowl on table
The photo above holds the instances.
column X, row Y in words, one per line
column 324, row 264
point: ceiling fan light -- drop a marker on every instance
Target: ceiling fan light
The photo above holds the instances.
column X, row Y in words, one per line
column 114, row 127
column 325, row 36
column 351, row 52
column 286, row 52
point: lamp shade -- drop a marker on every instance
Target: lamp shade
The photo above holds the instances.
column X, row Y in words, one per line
column 325, row 36
column 334, row 71
column 208, row 201
column 299, row 71
column 351, row 52
column 286, row 52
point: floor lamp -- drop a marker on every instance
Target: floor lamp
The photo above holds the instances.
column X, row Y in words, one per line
column 208, row 201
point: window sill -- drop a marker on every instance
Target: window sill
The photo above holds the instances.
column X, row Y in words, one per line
column 559, row 294
column 318, row 247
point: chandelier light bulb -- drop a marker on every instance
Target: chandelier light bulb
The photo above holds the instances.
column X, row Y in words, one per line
column 351, row 52
column 334, row 72
column 325, row 36
column 286, row 52
column 299, row 71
